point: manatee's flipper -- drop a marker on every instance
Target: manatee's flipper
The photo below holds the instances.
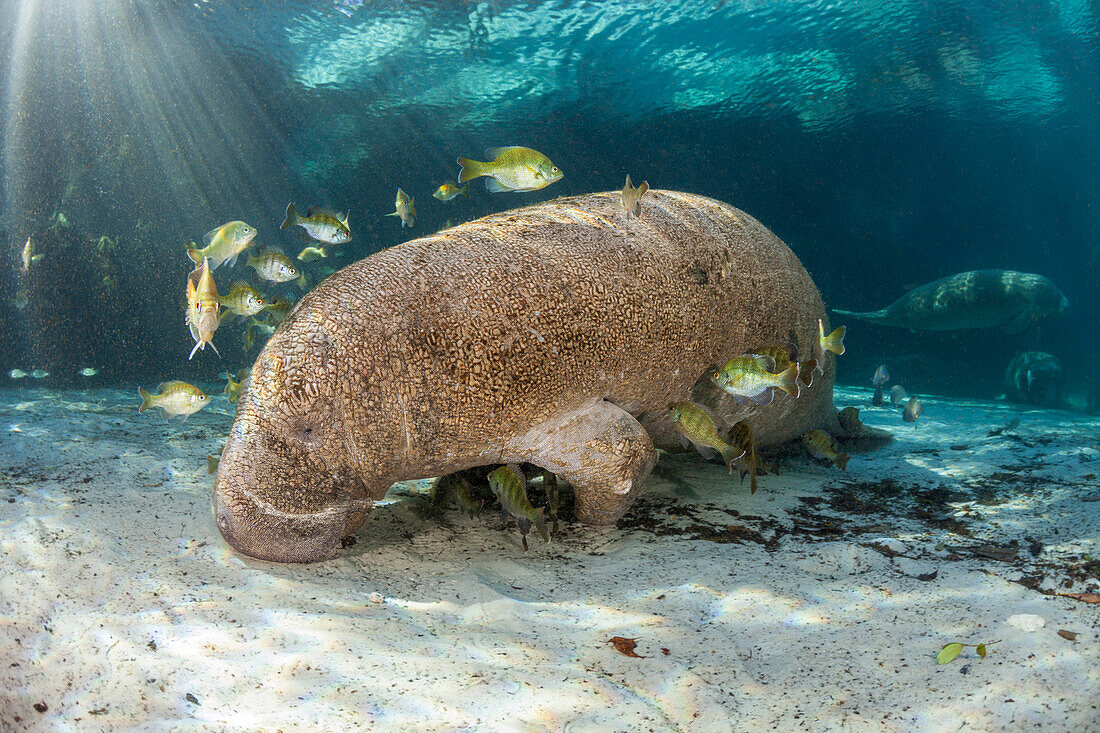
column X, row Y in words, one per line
column 600, row 449
column 1024, row 320
column 881, row 317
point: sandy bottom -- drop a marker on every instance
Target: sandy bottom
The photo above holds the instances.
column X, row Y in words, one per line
column 820, row 602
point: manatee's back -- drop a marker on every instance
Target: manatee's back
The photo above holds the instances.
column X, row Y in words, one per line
column 490, row 327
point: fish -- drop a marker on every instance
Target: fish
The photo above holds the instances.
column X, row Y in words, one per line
column 21, row 299
column 88, row 372
column 513, row 168
column 233, row 388
column 822, row 445
column 223, row 244
column 741, row 438
column 253, row 329
column 212, row 464
column 311, row 254
column 632, row 197
column 882, row 376
column 510, row 488
column 449, row 190
column 898, row 395
column 202, row 307
column 784, row 356
column 278, row 310
column 834, row 342
column 323, row 226
column 274, row 266
column 17, row 374
column 912, row 411
column 876, row 399
column 242, row 300
column 174, row 398
column 698, row 427
column 1011, row 301
column 849, row 420
column 28, row 256
column 40, row 374
column 405, row 208
column 458, row 485
column 749, row 377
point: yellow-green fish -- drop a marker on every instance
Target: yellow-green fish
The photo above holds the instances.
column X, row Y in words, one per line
column 324, row 226
column 42, row 374
column 834, row 342
column 21, row 299
column 279, row 310
column 233, row 389
column 29, row 257
column 509, row 485
column 175, row 398
column 17, row 374
column 632, row 197
column 273, row 265
column 749, row 377
column 310, row 254
column 511, row 169
column 223, row 244
column 405, row 208
column 242, row 300
column 449, row 190
column 88, row 372
column 698, row 428
column 202, row 307
column 741, row 438
column 456, row 483
column 784, row 357
column 849, row 420
column 822, row 445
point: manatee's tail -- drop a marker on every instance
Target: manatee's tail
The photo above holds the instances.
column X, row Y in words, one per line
column 879, row 316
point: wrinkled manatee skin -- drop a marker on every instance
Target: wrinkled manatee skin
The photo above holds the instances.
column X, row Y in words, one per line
column 555, row 334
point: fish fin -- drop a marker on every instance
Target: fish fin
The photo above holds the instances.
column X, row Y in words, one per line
column 788, row 381
column 834, row 342
column 496, row 186
column 806, row 371
column 764, row 398
column 225, row 314
column 198, row 345
column 465, row 190
column 314, row 210
column 706, row 451
column 841, row 461
column 195, row 255
column 470, row 169
column 764, row 362
column 730, row 455
column 215, row 348
column 1022, row 322
column 643, row 187
column 291, row 216
column 540, row 524
column 146, row 400
column 494, row 153
column 209, row 236
column 394, row 214
column 685, row 442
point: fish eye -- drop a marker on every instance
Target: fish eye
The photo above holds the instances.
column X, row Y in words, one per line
column 553, row 169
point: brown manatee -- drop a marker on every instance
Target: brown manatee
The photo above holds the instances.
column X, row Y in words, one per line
column 555, row 334
column 978, row 299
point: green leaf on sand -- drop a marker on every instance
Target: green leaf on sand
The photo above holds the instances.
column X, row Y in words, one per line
column 981, row 650
column 949, row 652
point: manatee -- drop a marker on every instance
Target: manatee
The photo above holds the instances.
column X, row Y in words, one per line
column 555, row 335
column 1034, row 378
column 977, row 299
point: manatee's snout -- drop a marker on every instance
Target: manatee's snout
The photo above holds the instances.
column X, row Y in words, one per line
column 267, row 507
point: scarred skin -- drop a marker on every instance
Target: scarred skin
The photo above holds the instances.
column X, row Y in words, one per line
column 556, row 334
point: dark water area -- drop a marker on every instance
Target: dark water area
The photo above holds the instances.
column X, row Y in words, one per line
column 888, row 145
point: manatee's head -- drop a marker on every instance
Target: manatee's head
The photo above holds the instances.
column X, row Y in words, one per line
column 1049, row 300
column 283, row 490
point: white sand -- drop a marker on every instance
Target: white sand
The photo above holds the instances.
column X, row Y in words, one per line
column 118, row 599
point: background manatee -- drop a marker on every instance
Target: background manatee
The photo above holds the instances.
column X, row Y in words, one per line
column 1034, row 378
column 556, row 334
column 977, row 299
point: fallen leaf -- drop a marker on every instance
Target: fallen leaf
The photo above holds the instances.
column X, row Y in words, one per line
column 665, row 651
column 1068, row 635
column 624, row 646
column 981, row 650
column 1083, row 597
column 949, row 652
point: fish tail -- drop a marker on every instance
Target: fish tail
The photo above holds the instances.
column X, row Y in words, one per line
column 806, row 371
column 291, row 216
column 539, row 520
column 841, row 461
column 195, row 255
column 146, row 400
column 834, row 342
column 470, row 169
column 788, row 380
column 730, row 454
column 465, row 190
